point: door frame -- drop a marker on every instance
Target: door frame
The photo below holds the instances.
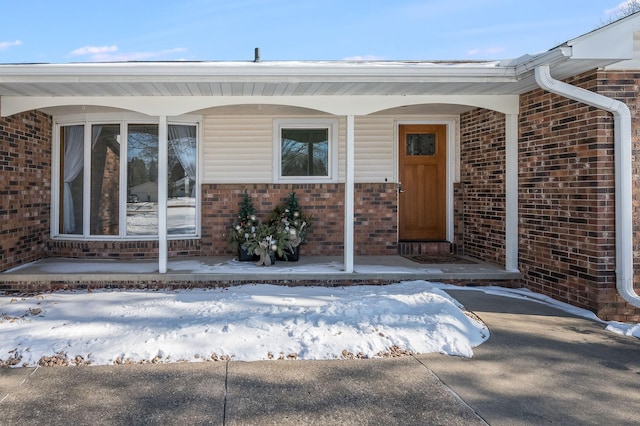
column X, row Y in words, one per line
column 453, row 150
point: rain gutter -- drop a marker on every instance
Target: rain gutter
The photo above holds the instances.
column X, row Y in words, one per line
column 623, row 175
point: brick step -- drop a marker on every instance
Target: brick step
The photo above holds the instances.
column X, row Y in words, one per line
column 414, row 248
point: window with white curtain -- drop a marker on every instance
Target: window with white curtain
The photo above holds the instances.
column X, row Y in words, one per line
column 99, row 196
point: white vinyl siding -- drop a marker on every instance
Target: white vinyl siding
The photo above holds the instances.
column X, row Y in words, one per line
column 238, row 149
column 375, row 149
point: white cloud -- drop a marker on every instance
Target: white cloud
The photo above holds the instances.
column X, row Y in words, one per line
column 94, row 50
column 619, row 7
column 8, row 44
column 111, row 54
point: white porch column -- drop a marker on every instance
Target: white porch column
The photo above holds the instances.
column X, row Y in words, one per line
column 511, row 189
column 349, row 189
column 163, row 176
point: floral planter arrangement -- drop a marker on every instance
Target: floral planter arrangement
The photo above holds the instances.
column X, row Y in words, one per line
column 279, row 239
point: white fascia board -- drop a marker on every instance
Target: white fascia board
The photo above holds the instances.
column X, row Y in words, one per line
column 613, row 41
column 256, row 72
column 527, row 64
column 180, row 105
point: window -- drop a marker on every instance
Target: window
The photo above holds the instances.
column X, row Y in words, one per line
column 105, row 180
column 420, row 144
column 181, row 214
column 305, row 150
column 100, row 196
column 142, row 179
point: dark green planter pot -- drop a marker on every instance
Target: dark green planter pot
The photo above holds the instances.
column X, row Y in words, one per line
column 245, row 256
column 291, row 256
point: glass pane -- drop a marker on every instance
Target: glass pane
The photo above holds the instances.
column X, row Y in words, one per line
column 71, row 179
column 105, row 179
column 305, row 152
column 181, row 213
column 142, row 179
column 421, row 144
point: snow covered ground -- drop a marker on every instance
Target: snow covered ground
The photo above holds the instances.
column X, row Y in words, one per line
column 249, row 322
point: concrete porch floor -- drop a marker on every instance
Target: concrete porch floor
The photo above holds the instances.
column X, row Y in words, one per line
column 205, row 271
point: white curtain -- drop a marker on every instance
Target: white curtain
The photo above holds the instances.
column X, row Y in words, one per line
column 96, row 134
column 73, row 164
column 182, row 140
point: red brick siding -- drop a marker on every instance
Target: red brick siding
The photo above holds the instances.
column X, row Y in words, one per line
column 458, row 218
column 480, row 196
column 25, row 187
column 376, row 219
column 125, row 250
column 625, row 86
column 566, row 201
column 104, row 249
column 375, row 215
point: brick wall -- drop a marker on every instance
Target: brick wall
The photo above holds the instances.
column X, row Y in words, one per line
column 376, row 219
column 480, row 196
column 124, row 250
column 25, row 187
column 567, row 200
column 625, row 87
column 375, row 215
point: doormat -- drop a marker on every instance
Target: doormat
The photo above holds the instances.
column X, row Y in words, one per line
column 439, row 258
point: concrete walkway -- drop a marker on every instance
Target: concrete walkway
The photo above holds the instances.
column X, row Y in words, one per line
column 543, row 366
column 540, row 366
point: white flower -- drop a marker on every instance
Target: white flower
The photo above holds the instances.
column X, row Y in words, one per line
column 253, row 217
column 274, row 247
column 296, row 214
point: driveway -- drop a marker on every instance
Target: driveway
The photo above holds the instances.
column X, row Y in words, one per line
column 540, row 366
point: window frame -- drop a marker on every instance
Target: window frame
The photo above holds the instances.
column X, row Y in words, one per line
column 333, row 142
column 123, row 121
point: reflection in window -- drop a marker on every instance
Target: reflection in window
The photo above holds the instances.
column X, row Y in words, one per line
column 105, row 179
column 181, row 213
column 142, row 179
column 305, row 152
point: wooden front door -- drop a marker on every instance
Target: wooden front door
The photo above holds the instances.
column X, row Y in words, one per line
column 423, row 179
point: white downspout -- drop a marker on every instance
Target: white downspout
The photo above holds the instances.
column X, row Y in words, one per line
column 623, row 175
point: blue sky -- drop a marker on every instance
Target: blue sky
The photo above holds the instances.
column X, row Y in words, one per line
column 200, row 30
